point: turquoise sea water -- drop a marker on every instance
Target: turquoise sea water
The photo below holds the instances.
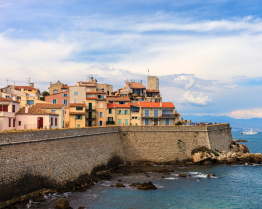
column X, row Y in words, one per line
column 234, row 187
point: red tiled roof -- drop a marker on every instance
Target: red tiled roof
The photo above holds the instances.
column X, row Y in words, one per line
column 46, row 105
column 5, row 99
column 25, row 88
column 152, row 91
column 118, row 98
column 76, row 105
column 135, row 85
column 113, row 105
column 35, row 111
column 77, row 113
column 156, row 104
column 91, row 98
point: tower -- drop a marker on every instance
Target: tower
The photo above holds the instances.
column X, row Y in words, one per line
column 152, row 83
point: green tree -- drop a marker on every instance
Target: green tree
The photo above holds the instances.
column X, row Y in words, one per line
column 45, row 93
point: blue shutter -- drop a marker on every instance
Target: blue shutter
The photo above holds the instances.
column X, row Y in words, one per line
column 52, row 101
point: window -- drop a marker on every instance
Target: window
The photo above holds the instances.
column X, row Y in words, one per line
column 78, row 125
column 156, row 100
column 51, row 121
column 87, row 89
column 55, row 121
column 119, row 112
column 65, row 95
column 110, row 111
column 146, row 113
column 55, row 91
column 102, row 96
column 119, row 121
column 13, row 122
column 101, row 105
column 79, row 108
column 155, row 113
column 7, row 97
column 101, row 114
column 30, row 102
column 146, row 121
column 65, row 102
column 134, row 91
column 19, row 123
column 133, row 117
column 126, row 122
column 126, row 112
column 76, row 93
column 121, row 102
column 101, row 123
column 54, row 101
column 13, row 108
column 53, row 111
column 9, row 122
column 167, row 121
column 78, row 117
column 75, row 101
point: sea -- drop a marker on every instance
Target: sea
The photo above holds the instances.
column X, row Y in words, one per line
column 235, row 187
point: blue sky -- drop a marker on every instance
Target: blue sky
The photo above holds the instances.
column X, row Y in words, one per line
column 207, row 54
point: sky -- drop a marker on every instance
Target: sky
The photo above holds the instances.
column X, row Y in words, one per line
column 206, row 54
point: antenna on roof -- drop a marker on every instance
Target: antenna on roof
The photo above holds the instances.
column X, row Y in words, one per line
column 7, row 81
column 14, row 82
column 28, row 80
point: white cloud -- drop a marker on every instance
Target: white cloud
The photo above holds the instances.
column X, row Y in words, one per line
column 246, row 114
column 190, row 99
column 5, row 5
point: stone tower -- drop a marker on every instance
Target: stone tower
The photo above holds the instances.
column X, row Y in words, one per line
column 152, row 83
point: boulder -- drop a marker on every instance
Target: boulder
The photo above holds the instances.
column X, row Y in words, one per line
column 182, row 175
column 207, row 162
column 81, row 207
column 62, row 204
column 208, row 175
column 118, row 185
column 38, row 198
column 202, row 156
column 147, row 186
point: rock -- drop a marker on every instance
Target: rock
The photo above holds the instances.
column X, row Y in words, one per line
column 118, row 185
column 213, row 174
column 138, row 170
column 103, row 176
column 119, row 180
column 181, row 175
column 208, row 175
column 81, row 207
column 112, row 185
column 207, row 162
column 189, row 175
column 189, row 163
column 62, row 204
column 38, row 198
column 240, row 140
column 147, row 176
column 147, row 186
column 201, row 156
column 162, row 176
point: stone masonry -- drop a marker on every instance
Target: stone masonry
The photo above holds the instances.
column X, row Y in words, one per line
column 32, row 160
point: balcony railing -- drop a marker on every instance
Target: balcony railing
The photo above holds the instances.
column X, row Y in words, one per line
column 90, row 108
column 110, row 122
column 135, row 111
column 169, row 115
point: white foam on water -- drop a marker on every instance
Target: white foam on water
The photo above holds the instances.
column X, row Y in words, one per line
column 182, row 167
column 201, row 175
column 171, row 178
column 246, row 163
column 193, row 173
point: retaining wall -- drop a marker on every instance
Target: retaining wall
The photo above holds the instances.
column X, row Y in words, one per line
column 34, row 160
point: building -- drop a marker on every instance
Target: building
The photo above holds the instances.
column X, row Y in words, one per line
column 8, row 108
column 36, row 118
column 58, row 98
column 77, row 115
column 54, row 108
column 159, row 113
column 57, row 88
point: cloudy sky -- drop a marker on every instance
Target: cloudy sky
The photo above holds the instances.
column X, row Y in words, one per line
column 207, row 54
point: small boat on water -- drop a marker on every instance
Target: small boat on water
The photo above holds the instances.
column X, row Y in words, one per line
column 251, row 132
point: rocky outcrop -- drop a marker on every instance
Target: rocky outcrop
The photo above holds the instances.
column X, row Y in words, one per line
column 62, row 204
column 239, row 154
column 144, row 186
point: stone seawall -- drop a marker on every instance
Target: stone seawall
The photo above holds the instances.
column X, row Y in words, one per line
column 30, row 161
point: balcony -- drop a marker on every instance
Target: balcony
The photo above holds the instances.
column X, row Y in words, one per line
column 93, row 108
column 7, row 114
column 169, row 115
column 90, row 117
column 110, row 122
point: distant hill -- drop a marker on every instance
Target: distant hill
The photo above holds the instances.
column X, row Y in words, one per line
column 236, row 124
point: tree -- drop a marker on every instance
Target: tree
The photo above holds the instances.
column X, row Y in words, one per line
column 178, row 123
column 45, row 93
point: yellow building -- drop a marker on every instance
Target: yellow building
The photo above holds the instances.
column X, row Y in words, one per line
column 77, row 115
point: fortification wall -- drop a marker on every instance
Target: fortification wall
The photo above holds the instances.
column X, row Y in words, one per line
column 33, row 160
column 162, row 143
column 32, row 165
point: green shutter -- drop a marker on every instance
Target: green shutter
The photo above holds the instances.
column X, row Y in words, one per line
column 130, row 118
column 118, row 112
column 76, row 117
column 81, row 117
column 128, row 112
column 138, row 118
column 126, row 122
column 119, row 121
column 122, row 112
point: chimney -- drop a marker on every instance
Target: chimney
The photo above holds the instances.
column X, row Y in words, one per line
column 26, row 108
column 50, row 84
column 22, row 90
column 14, row 97
column 32, row 85
column 160, row 104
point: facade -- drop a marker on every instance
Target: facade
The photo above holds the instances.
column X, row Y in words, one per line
column 59, row 98
column 54, row 108
column 57, row 87
column 159, row 113
column 36, row 118
column 152, row 83
column 77, row 115
column 8, row 108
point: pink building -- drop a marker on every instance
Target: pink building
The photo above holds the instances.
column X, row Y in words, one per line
column 36, row 118
column 59, row 98
column 8, row 108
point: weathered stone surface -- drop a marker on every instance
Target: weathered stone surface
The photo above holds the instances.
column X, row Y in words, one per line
column 181, row 175
column 38, row 198
column 62, row 204
column 200, row 157
column 118, row 185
